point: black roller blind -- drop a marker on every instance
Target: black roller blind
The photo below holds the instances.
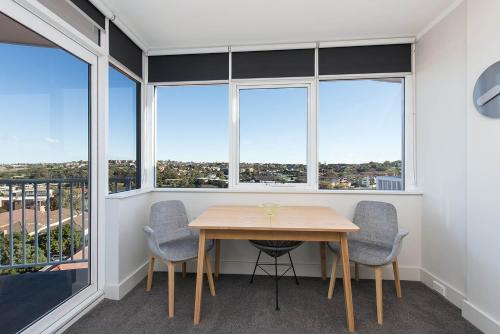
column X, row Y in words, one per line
column 273, row 64
column 91, row 11
column 365, row 59
column 189, row 67
column 124, row 50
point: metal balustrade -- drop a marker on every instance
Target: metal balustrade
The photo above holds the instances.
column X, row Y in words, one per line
column 115, row 182
column 40, row 196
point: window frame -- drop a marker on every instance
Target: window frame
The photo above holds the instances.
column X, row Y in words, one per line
column 35, row 19
column 139, row 124
column 234, row 139
column 406, row 85
column 409, row 167
column 154, row 101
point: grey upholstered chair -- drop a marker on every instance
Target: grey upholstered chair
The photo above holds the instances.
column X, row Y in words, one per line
column 275, row 249
column 172, row 241
column 377, row 244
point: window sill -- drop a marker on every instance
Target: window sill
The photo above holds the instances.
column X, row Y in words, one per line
column 287, row 190
column 130, row 193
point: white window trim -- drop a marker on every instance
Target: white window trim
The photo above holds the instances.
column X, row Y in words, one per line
column 234, row 161
column 152, row 103
column 407, row 127
column 144, row 132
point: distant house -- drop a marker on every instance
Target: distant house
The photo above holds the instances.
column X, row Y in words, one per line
column 389, row 183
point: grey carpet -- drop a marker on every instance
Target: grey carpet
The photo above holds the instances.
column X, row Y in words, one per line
column 243, row 308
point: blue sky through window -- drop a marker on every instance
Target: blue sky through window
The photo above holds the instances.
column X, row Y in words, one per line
column 44, row 116
column 122, row 116
column 273, row 125
column 44, row 107
column 192, row 123
column 360, row 121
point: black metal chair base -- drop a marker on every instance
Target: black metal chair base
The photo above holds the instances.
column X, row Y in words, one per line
column 275, row 276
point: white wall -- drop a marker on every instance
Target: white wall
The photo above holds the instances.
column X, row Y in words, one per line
column 483, row 174
column 239, row 256
column 126, row 250
column 459, row 155
column 441, row 59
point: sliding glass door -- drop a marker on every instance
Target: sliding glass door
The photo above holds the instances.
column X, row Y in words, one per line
column 47, row 173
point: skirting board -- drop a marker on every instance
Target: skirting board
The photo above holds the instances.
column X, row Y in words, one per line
column 118, row 291
column 407, row 273
column 452, row 294
column 479, row 318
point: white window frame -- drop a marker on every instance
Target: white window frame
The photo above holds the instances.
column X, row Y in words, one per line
column 407, row 128
column 153, row 101
column 139, row 141
column 234, row 138
column 93, row 293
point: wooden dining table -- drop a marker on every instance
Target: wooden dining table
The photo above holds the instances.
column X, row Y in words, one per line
column 301, row 223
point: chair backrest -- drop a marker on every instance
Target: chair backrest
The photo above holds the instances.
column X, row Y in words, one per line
column 169, row 220
column 378, row 223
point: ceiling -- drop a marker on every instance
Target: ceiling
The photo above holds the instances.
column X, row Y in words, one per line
column 165, row 24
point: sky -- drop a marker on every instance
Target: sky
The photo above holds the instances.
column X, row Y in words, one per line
column 359, row 121
column 192, row 123
column 122, row 116
column 44, row 116
column 43, row 105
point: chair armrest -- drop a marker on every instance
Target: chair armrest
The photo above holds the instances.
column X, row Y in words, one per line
column 153, row 244
column 398, row 243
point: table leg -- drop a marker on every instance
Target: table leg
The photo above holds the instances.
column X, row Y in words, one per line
column 347, row 283
column 217, row 258
column 322, row 256
column 199, row 278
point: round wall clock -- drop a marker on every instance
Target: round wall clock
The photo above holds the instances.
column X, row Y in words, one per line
column 487, row 92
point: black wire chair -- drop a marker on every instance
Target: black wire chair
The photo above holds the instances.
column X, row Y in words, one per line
column 275, row 249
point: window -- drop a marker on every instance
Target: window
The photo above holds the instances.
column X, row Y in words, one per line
column 192, row 136
column 45, row 189
column 273, row 131
column 124, row 132
column 360, row 134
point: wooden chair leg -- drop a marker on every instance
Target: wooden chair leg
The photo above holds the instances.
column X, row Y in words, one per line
column 356, row 271
column 322, row 257
column 151, row 269
column 395, row 268
column 184, row 270
column 378, row 287
column 217, row 258
column 171, row 276
column 333, row 276
column 209, row 275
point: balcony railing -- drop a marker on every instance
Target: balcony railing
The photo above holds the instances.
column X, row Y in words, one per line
column 37, row 214
column 119, row 184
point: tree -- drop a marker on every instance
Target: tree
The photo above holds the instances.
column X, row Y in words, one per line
column 42, row 248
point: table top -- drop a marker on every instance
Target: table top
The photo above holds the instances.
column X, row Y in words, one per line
column 289, row 218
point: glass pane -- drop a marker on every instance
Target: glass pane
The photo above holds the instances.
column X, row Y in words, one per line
column 192, row 136
column 360, row 140
column 122, row 137
column 273, row 135
column 44, row 197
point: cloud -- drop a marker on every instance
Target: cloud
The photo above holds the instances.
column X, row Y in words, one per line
column 52, row 140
